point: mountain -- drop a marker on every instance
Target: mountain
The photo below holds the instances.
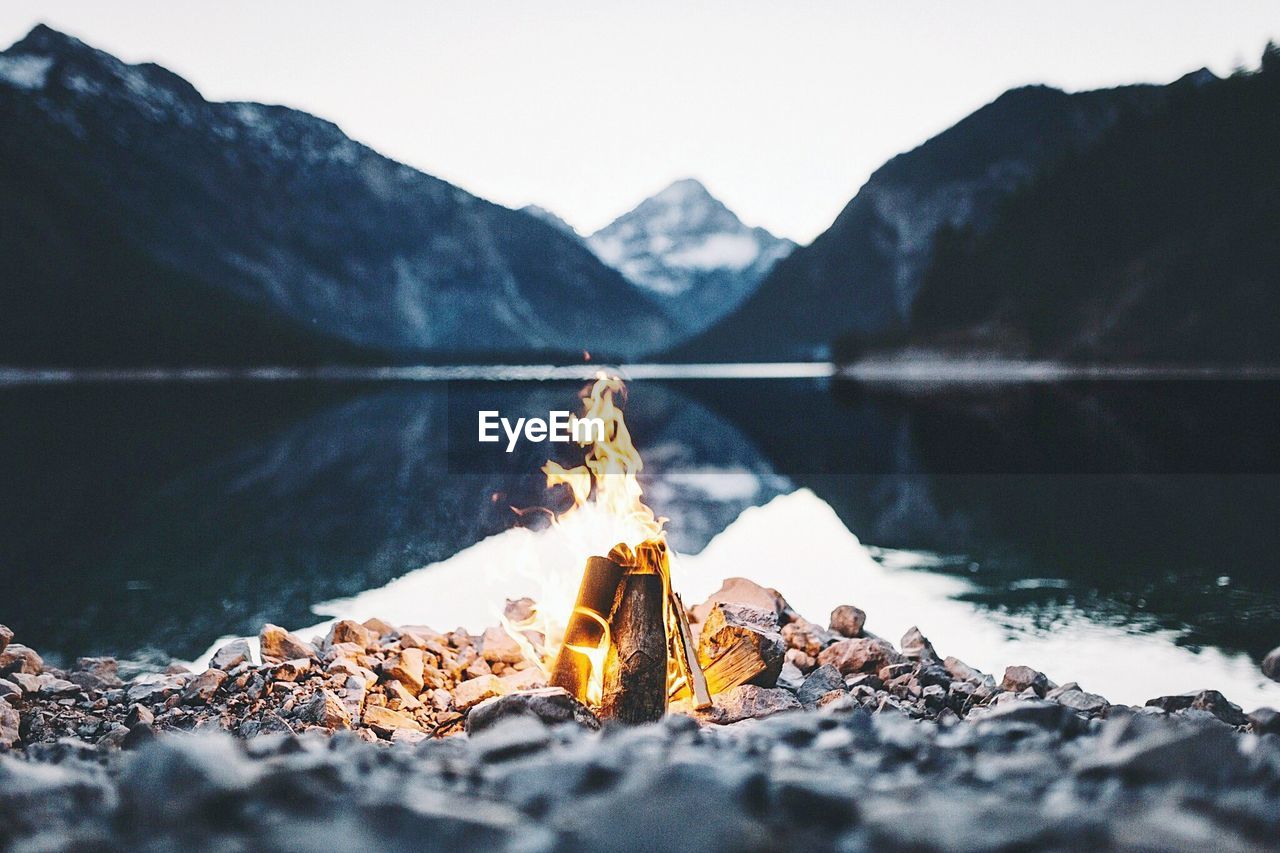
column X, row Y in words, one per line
column 145, row 224
column 861, row 275
column 692, row 254
column 1157, row 244
column 552, row 220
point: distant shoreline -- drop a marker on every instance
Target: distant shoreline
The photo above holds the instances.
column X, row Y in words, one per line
column 872, row 371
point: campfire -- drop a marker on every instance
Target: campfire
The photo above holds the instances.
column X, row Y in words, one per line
column 623, row 644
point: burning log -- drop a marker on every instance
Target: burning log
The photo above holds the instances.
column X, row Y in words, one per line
column 635, row 676
column 588, row 626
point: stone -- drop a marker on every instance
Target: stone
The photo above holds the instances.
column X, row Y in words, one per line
column 744, row 702
column 727, row 624
column 9, row 688
column 551, row 705
column 497, row 646
column 847, row 620
column 1162, row 752
column 139, row 715
column 231, row 655
column 859, row 655
column 399, row 698
column 473, row 692
column 807, row 637
column 407, row 668
column 818, row 684
column 958, row 669
column 743, row 591
column 916, row 646
column 6, row 637
column 156, row 689
column 291, row 670
column 1019, row 678
column 327, row 710
column 10, row 721
column 97, row 673
column 52, row 687
column 350, row 631
column 1265, row 721
column 279, row 645
column 1271, row 664
column 18, row 658
column 791, row 677
column 1079, row 700
column 381, row 628
column 26, row 682
column 385, row 721
column 511, row 737
column 1202, row 700
column 520, row 611
column 203, row 687
column 523, row 679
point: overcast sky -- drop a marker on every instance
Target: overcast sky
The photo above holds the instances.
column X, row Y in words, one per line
column 782, row 108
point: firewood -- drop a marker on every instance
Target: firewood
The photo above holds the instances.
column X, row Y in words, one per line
column 587, row 625
column 738, row 663
column 728, row 623
column 686, row 659
column 635, row 677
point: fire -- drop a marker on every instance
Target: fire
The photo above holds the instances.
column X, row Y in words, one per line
column 608, row 517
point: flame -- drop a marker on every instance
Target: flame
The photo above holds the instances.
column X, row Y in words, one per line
column 608, row 510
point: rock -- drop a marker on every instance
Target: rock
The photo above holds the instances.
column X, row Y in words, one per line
column 51, row 687
column 9, row 724
column 859, row 655
column 1164, row 752
column 523, row 679
column 551, row 705
column 381, row 628
column 1265, row 721
column 818, row 684
column 139, row 735
column 279, row 645
column 231, row 655
column 473, row 692
column 807, row 637
column 18, row 658
column 958, row 669
column 183, row 782
column 385, row 721
column 407, row 668
column 203, row 687
column 750, row 593
column 156, row 690
column 744, row 702
column 1203, row 700
column 6, row 637
column 847, row 620
column 139, row 715
column 27, row 683
column 100, row 673
column 791, row 676
column 9, row 688
column 1078, row 700
column 520, row 611
column 291, row 670
column 497, row 646
column 326, row 710
column 727, row 624
column 349, row 631
column 1019, row 678
column 1271, row 664
column 917, row 647
column 511, row 737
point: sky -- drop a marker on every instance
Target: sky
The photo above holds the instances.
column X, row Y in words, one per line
column 782, row 109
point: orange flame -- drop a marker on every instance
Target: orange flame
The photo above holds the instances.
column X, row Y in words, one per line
column 608, row 509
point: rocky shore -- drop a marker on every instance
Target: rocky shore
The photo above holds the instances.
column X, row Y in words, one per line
column 381, row 735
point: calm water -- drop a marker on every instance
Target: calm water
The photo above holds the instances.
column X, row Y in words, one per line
column 151, row 518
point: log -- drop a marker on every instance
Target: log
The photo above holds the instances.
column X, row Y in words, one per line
column 728, row 623
column 586, row 627
column 738, row 663
column 635, row 676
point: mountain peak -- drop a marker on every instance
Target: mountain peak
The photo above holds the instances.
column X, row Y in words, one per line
column 45, row 39
column 685, row 246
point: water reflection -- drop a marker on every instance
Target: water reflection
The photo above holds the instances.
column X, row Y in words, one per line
column 163, row 515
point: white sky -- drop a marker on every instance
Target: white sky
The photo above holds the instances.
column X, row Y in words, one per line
column 782, row 108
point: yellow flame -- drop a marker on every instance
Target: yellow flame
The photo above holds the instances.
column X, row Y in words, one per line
column 608, row 509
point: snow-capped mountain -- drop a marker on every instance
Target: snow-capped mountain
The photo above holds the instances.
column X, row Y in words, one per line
column 145, row 224
column 688, row 250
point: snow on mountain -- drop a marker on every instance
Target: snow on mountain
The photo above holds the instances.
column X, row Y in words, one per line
column 691, row 252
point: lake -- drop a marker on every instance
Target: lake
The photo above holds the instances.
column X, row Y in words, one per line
column 148, row 518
